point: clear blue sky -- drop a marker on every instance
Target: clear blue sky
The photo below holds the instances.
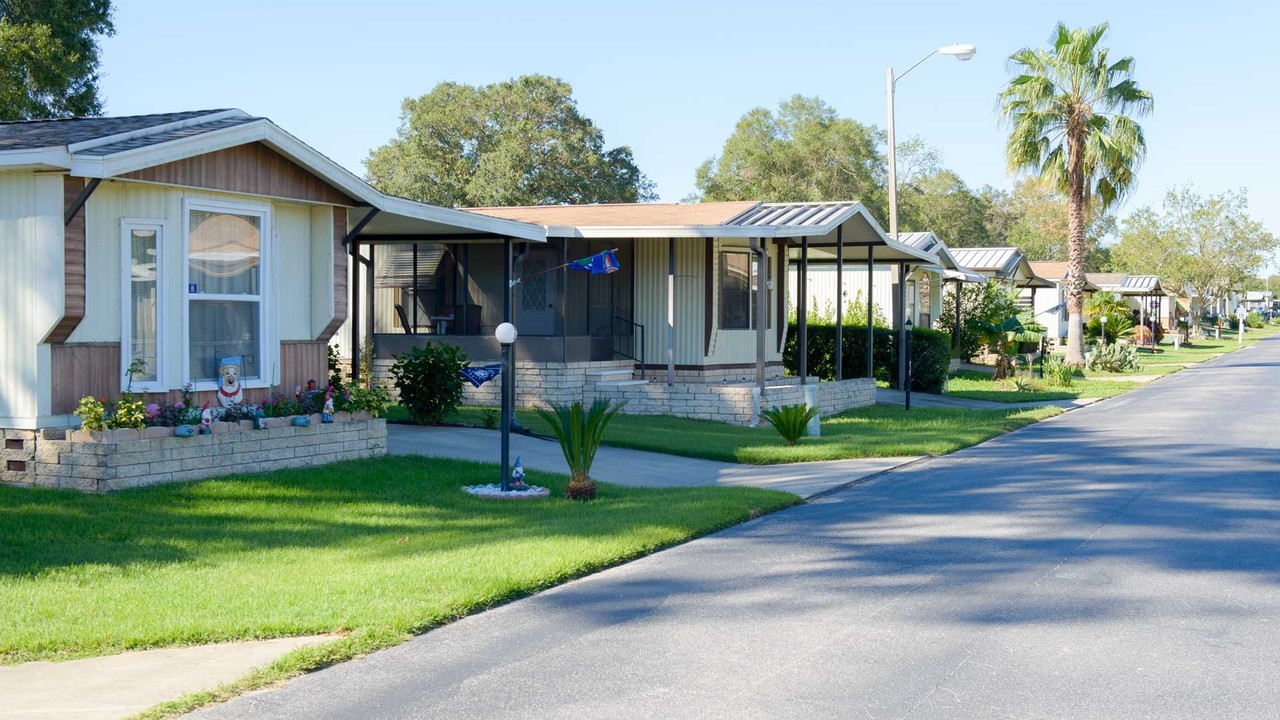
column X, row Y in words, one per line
column 670, row 79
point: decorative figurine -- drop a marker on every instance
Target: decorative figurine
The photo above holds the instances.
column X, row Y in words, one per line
column 259, row 419
column 229, row 390
column 206, row 420
column 301, row 421
column 517, row 477
column 327, row 415
column 184, row 431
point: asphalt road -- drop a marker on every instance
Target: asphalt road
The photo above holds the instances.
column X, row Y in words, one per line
column 1120, row 561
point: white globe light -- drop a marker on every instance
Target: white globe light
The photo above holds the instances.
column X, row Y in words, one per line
column 506, row 333
column 961, row 52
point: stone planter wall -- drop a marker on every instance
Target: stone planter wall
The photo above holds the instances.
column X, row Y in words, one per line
column 118, row 459
column 537, row 383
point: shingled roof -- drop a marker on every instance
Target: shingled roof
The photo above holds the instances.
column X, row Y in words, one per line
column 34, row 134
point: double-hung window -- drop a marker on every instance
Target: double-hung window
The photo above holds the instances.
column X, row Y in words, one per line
column 143, row 324
column 227, row 259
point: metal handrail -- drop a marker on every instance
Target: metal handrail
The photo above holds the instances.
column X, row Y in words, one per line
column 634, row 326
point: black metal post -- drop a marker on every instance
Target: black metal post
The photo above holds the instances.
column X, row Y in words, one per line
column 902, row 321
column 839, row 302
column 802, row 313
column 1044, row 343
column 871, row 320
column 466, row 287
column 414, row 329
column 507, row 389
column 906, row 386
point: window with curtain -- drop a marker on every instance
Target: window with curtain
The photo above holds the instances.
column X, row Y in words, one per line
column 225, row 290
column 141, row 341
column 738, row 286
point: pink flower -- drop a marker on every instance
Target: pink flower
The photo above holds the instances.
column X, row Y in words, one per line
column 180, row 405
column 153, row 409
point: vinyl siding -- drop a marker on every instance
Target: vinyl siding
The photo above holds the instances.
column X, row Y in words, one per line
column 651, row 260
column 736, row 347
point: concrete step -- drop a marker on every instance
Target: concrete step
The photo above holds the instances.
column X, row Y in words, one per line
column 609, row 375
column 620, row 384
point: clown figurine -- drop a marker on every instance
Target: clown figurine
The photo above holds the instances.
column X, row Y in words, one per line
column 517, row 477
column 206, row 420
column 327, row 415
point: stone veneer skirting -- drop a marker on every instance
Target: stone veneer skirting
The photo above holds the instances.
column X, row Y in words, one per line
column 734, row 403
column 116, row 459
column 702, row 395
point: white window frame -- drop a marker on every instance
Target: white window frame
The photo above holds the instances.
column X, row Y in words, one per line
column 268, row 346
column 161, row 227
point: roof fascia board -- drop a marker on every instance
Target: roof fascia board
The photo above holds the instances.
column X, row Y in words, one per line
column 51, row 156
column 154, row 129
column 459, row 218
column 664, row 231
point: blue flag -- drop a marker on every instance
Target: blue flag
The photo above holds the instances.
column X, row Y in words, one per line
column 481, row 374
column 601, row 263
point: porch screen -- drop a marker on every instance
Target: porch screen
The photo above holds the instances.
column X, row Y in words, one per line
column 737, row 290
column 224, row 290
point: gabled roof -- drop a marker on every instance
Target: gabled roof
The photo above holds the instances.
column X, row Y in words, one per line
column 1005, row 263
column 621, row 214
column 1125, row 284
column 950, row 268
column 1057, row 272
column 113, row 147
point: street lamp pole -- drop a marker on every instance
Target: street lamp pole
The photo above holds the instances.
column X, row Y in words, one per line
column 506, row 335
column 961, row 52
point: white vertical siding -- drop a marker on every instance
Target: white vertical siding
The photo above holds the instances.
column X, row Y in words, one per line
column 651, row 298
column 322, row 262
column 293, row 271
column 31, row 290
column 822, row 289
column 738, row 347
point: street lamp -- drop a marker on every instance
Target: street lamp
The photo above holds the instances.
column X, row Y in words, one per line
column 907, row 382
column 961, row 52
column 1103, row 320
column 506, row 334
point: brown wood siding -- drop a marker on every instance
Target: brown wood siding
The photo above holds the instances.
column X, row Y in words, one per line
column 81, row 369
column 253, row 169
column 73, row 264
column 302, row 361
column 339, row 275
column 708, row 297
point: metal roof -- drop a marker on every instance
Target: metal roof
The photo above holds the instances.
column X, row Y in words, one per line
column 1140, row 283
column 793, row 215
column 1001, row 261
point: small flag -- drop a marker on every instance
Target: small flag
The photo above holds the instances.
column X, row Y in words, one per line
column 481, row 374
column 601, row 263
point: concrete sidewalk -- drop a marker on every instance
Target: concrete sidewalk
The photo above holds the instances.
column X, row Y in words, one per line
column 116, row 686
column 636, row 468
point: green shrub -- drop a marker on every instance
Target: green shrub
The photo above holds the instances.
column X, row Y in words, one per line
column 989, row 303
column 930, row 360
column 92, row 412
column 489, row 418
column 1254, row 320
column 1114, row 358
column 1058, row 372
column 580, row 434
column 790, row 421
column 335, row 370
column 429, row 382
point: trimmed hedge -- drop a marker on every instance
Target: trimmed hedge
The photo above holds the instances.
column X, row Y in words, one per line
column 931, row 354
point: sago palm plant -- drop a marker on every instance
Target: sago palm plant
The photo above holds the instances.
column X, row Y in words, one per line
column 1068, row 108
column 580, row 433
column 790, row 421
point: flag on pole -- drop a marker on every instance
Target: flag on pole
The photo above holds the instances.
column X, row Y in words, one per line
column 599, row 264
column 480, row 374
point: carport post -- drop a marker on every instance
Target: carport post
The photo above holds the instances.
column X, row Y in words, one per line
column 902, row 325
column 802, row 313
column 762, row 307
column 955, row 336
column 871, row 331
column 355, row 309
column 839, row 302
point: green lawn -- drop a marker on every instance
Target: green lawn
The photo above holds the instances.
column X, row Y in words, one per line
column 375, row 549
column 875, row 431
column 1206, row 349
column 980, row 386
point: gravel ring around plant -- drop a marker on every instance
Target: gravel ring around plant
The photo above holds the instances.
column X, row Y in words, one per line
column 493, row 491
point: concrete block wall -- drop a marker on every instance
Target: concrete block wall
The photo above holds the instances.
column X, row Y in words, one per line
column 159, row 457
column 537, row 383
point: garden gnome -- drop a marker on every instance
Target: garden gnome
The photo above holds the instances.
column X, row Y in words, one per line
column 206, row 420
column 327, row 415
column 259, row 419
column 517, row 476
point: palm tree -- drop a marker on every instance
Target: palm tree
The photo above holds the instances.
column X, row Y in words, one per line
column 1066, row 109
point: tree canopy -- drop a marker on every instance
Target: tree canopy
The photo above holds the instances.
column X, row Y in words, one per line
column 1205, row 244
column 49, row 57
column 518, row 142
column 803, row 152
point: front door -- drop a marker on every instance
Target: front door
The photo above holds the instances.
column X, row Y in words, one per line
column 538, row 293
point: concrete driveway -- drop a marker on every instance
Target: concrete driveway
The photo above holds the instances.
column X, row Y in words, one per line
column 634, row 467
column 1119, row 561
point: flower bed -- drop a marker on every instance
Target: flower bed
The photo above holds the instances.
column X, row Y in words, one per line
column 104, row 460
